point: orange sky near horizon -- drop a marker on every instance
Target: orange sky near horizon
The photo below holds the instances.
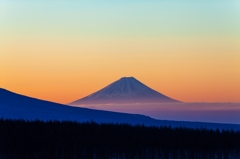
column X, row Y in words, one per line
column 211, row 76
column 65, row 50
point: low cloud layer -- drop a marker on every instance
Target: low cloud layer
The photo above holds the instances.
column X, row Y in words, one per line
column 203, row 112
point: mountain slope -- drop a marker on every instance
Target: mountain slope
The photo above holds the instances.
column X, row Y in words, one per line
column 15, row 106
column 125, row 90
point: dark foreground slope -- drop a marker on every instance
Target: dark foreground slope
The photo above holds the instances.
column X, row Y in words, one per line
column 15, row 106
column 68, row 140
column 125, row 90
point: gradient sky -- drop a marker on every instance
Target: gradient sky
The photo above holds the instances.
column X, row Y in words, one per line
column 64, row 50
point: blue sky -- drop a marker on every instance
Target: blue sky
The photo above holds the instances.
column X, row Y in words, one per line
column 122, row 18
column 186, row 49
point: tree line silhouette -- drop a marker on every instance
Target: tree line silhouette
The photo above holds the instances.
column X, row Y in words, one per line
column 71, row 140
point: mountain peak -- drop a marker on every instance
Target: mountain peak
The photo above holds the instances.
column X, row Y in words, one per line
column 127, row 78
column 125, row 90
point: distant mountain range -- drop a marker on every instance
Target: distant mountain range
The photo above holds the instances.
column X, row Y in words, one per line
column 124, row 91
column 15, row 106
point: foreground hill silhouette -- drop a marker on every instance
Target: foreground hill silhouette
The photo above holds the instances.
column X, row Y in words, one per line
column 15, row 106
column 125, row 90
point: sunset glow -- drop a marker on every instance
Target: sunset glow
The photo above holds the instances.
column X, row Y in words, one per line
column 62, row 51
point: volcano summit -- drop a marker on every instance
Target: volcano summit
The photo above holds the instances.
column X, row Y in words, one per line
column 123, row 91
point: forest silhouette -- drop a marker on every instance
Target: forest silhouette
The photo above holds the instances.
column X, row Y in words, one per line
column 21, row 139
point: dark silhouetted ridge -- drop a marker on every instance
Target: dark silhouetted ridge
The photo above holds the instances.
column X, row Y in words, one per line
column 16, row 106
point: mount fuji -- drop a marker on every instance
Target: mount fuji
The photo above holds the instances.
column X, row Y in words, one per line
column 123, row 91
